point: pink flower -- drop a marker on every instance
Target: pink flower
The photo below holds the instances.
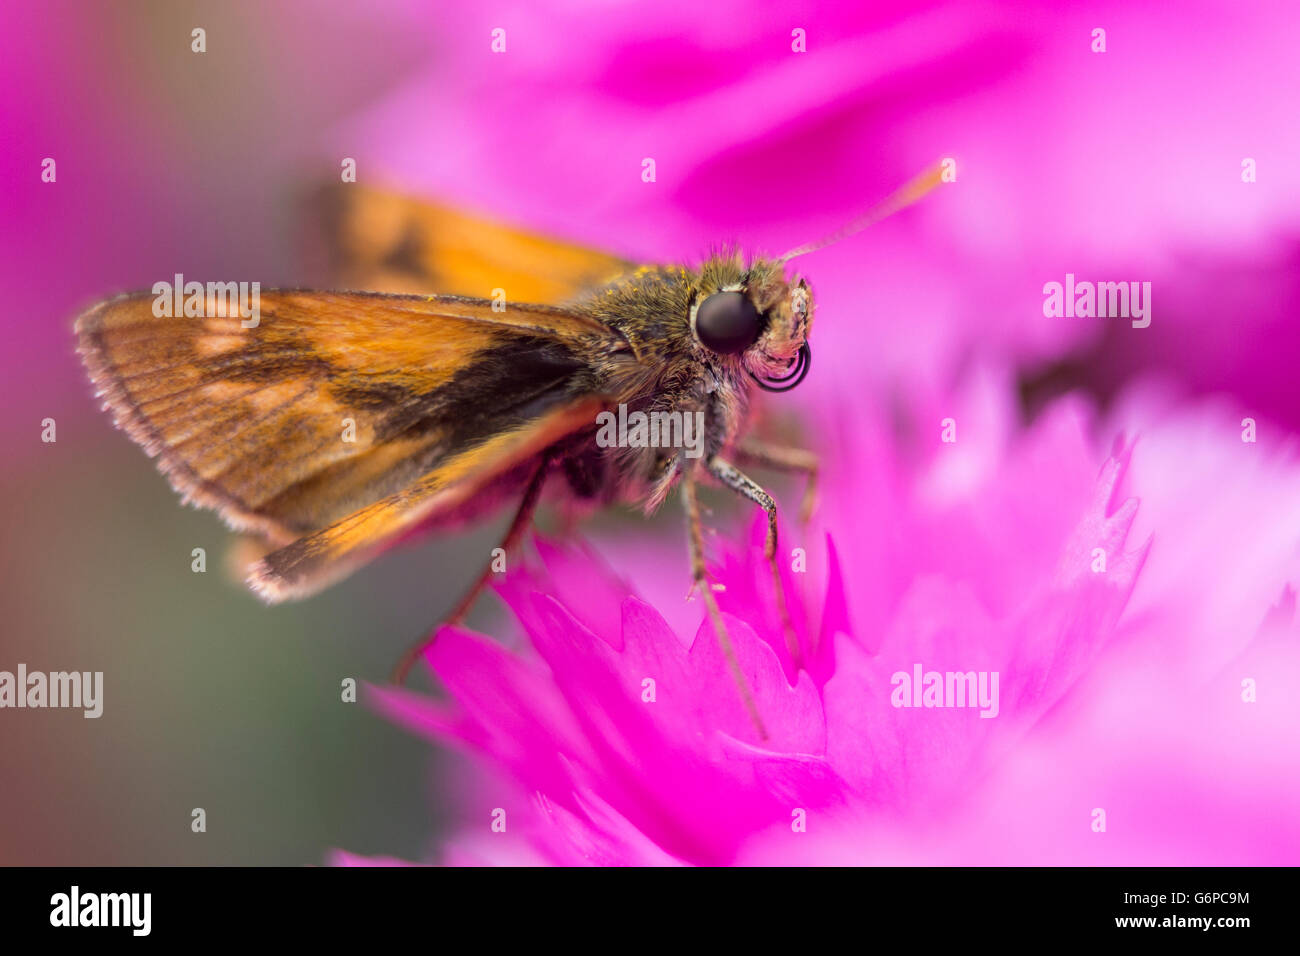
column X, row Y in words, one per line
column 1182, row 729
column 1098, row 706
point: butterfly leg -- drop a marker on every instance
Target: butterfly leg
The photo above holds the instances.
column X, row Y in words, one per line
column 751, row 451
column 522, row 521
column 700, row 577
column 742, row 484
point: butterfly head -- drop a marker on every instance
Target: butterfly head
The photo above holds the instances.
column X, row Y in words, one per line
column 761, row 318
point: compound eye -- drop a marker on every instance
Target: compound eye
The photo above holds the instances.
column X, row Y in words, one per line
column 727, row 323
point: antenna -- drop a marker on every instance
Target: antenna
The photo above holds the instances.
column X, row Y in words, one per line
column 900, row 198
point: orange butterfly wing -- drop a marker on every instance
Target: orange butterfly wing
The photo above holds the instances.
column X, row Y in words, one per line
column 378, row 409
column 378, row 239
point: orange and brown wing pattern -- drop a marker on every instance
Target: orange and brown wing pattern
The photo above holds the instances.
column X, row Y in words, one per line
column 334, row 401
column 322, row 557
column 386, row 241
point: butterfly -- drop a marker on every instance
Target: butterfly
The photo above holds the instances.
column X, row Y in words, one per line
column 340, row 422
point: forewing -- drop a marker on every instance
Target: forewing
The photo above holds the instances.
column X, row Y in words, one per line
column 334, row 401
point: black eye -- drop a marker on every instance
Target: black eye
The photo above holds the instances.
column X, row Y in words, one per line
column 727, row 323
